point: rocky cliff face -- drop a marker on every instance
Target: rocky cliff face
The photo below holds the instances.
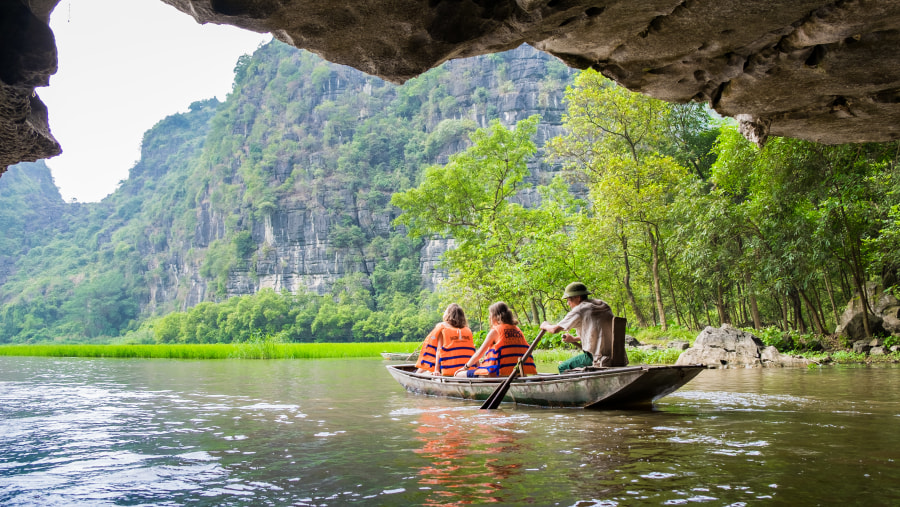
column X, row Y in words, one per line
column 320, row 226
column 285, row 185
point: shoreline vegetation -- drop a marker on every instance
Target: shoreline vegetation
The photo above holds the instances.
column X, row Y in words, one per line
column 257, row 349
column 263, row 349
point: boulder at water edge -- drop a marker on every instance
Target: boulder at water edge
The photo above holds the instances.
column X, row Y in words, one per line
column 728, row 347
column 884, row 317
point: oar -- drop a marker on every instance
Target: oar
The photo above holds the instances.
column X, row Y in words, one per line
column 496, row 397
column 414, row 353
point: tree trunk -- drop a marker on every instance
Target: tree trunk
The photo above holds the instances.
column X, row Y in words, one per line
column 653, row 234
column 800, row 324
column 785, row 320
column 754, row 308
column 678, row 317
column 692, row 307
column 517, row 311
column 830, row 289
column 534, row 311
column 814, row 315
column 638, row 314
column 864, row 302
column 720, row 306
column 818, row 301
column 742, row 305
column 846, row 286
column 855, row 261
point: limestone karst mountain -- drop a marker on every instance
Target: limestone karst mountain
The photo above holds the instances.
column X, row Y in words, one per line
column 284, row 185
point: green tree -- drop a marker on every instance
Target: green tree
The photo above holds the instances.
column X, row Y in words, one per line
column 797, row 215
column 103, row 306
column 615, row 141
column 471, row 199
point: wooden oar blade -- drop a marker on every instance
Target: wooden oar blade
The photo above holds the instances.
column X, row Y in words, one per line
column 496, row 397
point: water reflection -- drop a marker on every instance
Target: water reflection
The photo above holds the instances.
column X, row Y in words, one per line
column 107, row 432
column 465, row 465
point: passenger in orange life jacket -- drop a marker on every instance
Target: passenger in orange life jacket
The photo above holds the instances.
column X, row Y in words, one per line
column 502, row 347
column 448, row 347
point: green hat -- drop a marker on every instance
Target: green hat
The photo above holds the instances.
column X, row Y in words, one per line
column 576, row 289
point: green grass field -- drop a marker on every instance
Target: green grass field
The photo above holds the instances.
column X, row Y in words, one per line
column 251, row 350
column 272, row 350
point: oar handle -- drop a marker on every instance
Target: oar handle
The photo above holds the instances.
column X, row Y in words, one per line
column 532, row 347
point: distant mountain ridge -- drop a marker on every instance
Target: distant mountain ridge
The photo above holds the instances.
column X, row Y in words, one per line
column 284, row 185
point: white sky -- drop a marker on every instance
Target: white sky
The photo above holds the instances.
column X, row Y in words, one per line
column 123, row 66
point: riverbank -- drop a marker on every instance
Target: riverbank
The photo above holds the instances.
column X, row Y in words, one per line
column 246, row 350
column 273, row 350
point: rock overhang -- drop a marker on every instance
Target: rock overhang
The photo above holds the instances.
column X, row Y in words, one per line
column 825, row 71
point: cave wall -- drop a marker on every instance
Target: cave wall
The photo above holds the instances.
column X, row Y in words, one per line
column 27, row 60
column 826, row 71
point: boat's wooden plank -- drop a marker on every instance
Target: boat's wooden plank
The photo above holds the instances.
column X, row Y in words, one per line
column 653, row 385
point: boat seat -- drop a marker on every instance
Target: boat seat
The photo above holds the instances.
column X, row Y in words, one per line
column 619, row 356
column 612, row 343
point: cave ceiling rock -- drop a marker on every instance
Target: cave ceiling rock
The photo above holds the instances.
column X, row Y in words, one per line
column 27, row 60
column 826, row 71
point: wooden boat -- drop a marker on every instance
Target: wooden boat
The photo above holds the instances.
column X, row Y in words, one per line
column 627, row 386
column 400, row 356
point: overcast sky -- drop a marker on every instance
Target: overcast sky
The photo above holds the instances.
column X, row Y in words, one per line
column 123, row 66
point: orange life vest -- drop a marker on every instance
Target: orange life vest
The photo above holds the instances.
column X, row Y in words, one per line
column 457, row 348
column 428, row 354
column 502, row 357
column 455, row 345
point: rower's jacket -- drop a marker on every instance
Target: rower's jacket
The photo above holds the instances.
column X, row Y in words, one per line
column 593, row 320
column 502, row 357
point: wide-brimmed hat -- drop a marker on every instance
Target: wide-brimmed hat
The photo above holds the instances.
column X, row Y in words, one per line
column 576, row 289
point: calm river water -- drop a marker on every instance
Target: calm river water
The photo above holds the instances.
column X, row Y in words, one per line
column 336, row 432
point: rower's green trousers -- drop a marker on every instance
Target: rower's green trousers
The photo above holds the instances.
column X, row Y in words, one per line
column 580, row 361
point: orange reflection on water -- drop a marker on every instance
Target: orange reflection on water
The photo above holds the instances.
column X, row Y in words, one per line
column 466, row 457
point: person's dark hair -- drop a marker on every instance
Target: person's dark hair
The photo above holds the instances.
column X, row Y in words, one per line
column 455, row 316
column 501, row 312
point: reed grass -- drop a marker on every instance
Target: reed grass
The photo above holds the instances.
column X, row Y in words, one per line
column 659, row 356
column 656, row 336
column 635, row 355
column 248, row 350
column 846, row 357
column 553, row 355
column 267, row 349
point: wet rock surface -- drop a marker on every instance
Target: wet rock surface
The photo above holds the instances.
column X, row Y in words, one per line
column 883, row 316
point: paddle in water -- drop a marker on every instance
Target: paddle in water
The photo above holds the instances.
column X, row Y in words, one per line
column 496, row 397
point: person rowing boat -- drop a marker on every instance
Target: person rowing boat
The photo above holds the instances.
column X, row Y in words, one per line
column 593, row 321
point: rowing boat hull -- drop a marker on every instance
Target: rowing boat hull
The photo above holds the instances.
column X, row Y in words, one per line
column 399, row 356
column 602, row 388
